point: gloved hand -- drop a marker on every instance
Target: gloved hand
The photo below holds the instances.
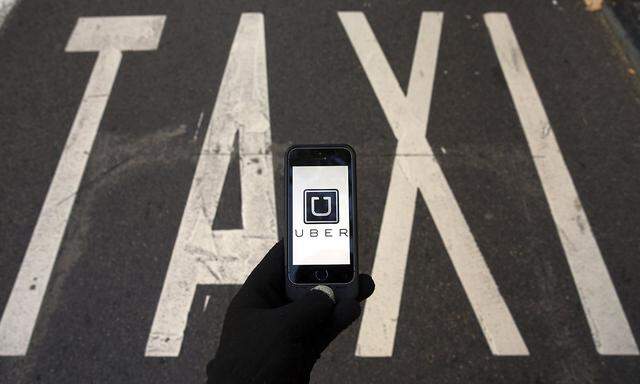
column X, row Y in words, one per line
column 268, row 339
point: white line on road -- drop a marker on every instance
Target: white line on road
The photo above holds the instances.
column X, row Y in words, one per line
column 408, row 117
column 203, row 256
column 109, row 36
column 609, row 327
column 5, row 8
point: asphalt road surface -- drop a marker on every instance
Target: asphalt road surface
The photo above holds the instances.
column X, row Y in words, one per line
column 141, row 177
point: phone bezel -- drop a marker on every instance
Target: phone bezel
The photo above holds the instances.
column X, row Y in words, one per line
column 312, row 155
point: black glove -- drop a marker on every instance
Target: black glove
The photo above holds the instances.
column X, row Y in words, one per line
column 266, row 338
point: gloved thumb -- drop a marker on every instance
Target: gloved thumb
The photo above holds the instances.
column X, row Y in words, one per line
column 306, row 314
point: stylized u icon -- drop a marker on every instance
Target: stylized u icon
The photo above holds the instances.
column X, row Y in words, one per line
column 314, row 210
column 313, row 206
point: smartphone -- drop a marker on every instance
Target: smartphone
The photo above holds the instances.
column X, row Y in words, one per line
column 320, row 199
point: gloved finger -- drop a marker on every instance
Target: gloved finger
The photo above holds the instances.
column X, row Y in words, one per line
column 264, row 288
column 344, row 314
column 305, row 315
column 366, row 286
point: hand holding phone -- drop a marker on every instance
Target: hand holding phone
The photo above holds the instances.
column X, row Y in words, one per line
column 268, row 338
column 320, row 201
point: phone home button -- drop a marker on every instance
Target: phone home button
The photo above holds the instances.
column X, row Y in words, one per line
column 321, row 274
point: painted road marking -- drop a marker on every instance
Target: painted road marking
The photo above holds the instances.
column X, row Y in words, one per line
column 5, row 8
column 609, row 327
column 108, row 36
column 203, row 256
column 415, row 168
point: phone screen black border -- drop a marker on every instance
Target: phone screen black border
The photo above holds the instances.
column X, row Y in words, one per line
column 312, row 155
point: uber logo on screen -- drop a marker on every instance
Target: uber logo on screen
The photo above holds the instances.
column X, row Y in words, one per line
column 320, row 206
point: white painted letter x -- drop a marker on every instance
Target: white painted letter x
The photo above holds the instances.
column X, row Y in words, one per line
column 415, row 168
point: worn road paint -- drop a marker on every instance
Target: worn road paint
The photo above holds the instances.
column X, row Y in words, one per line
column 5, row 8
column 609, row 327
column 109, row 36
column 203, row 256
column 415, row 168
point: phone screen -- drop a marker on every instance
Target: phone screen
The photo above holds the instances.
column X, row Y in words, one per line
column 321, row 221
column 320, row 215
